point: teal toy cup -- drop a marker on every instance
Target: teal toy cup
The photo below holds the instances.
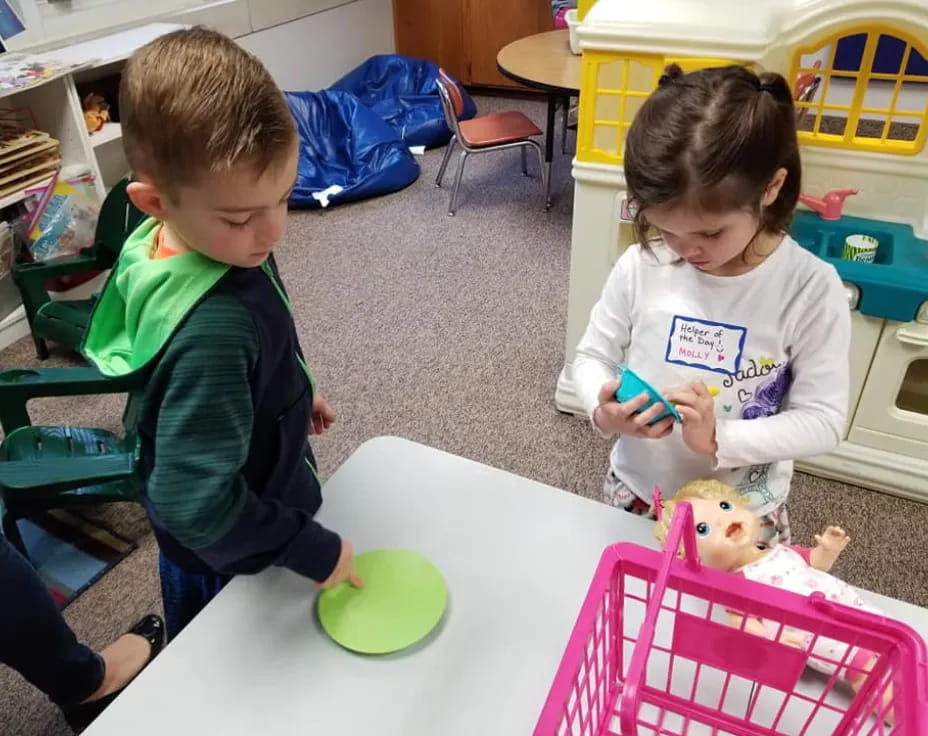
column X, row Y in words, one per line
column 632, row 385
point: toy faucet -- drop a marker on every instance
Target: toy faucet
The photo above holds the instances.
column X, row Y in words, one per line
column 828, row 207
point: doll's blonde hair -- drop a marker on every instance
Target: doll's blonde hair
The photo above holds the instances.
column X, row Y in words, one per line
column 710, row 490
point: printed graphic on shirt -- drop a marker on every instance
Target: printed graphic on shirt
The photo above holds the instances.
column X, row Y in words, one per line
column 769, row 396
column 751, row 369
column 699, row 343
column 755, row 484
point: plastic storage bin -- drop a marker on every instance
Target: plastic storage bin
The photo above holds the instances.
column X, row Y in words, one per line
column 572, row 22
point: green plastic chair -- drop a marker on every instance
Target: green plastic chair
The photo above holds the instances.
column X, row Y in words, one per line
column 43, row 468
column 65, row 322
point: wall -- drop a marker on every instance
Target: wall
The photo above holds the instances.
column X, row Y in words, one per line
column 312, row 52
column 307, row 44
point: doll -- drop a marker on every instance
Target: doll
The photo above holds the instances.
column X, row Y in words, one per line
column 728, row 539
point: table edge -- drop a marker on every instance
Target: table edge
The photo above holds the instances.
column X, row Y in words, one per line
column 535, row 84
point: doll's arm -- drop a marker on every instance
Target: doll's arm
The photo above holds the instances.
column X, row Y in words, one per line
column 830, row 544
column 755, row 625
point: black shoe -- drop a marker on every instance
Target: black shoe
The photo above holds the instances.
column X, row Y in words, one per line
column 150, row 628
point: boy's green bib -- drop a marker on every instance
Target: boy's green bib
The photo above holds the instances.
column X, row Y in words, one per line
column 144, row 301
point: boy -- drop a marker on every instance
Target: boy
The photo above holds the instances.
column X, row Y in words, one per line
column 196, row 303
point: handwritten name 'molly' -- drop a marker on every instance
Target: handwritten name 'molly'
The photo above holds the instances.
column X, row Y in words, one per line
column 693, row 354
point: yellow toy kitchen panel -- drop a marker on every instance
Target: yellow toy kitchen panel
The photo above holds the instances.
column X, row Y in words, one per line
column 613, row 89
column 863, row 88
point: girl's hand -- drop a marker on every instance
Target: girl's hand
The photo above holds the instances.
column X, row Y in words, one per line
column 697, row 408
column 613, row 417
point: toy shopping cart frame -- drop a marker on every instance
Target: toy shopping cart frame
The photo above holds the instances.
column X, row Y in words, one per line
column 651, row 653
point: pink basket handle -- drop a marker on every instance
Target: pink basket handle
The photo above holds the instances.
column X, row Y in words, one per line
column 683, row 527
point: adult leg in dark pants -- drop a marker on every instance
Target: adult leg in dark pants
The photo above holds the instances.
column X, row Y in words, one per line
column 36, row 641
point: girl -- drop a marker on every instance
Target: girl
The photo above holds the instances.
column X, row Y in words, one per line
column 717, row 295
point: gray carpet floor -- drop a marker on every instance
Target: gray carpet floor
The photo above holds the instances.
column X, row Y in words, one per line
column 448, row 331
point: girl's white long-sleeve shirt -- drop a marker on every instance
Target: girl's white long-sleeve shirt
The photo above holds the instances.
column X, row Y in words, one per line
column 774, row 340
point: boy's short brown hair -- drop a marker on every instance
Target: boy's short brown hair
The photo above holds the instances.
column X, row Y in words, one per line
column 194, row 103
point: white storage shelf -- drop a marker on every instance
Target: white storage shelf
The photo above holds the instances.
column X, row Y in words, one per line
column 109, row 133
column 57, row 109
column 17, row 197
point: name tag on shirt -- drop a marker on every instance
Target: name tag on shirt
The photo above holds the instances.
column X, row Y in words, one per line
column 713, row 346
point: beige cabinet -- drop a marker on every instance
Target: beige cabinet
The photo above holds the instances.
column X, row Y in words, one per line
column 893, row 411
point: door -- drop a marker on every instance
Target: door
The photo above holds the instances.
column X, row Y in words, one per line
column 432, row 30
column 490, row 24
column 895, row 398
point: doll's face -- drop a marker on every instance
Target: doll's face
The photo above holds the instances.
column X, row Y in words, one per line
column 723, row 532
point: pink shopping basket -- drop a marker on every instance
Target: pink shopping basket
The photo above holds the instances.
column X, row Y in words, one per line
column 654, row 652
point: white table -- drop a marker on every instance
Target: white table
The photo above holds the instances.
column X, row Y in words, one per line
column 517, row 556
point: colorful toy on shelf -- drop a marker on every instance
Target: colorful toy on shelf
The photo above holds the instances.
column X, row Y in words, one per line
column 652, row 652
column 96, row 112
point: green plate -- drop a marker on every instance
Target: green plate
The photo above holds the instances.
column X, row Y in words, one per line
column 403, row 599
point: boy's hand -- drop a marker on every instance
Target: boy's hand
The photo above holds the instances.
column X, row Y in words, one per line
column 697, row 408
column 323, row 415
column 344, row 570
column 613, row 417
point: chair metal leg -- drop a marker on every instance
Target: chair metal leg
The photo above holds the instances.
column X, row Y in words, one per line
column 444, row 161
column 564, row 127
column 524, row 153
column 545, row 173
column 550, row 118
column 457, row 182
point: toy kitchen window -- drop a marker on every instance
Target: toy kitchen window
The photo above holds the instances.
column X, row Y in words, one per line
column 620, row 85
column 863, row 90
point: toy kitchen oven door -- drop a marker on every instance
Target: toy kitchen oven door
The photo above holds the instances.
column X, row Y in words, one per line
column 892, row 414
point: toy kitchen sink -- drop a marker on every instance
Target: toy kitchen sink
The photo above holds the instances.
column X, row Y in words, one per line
column 860, row 76
column 895, row 285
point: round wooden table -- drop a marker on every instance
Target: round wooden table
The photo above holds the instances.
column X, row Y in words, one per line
column 544, row 62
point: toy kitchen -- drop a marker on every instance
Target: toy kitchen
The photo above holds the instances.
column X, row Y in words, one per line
column 860, row 75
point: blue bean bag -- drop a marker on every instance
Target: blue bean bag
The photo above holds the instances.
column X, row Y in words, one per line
column 344, row 144
column 403, row 92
